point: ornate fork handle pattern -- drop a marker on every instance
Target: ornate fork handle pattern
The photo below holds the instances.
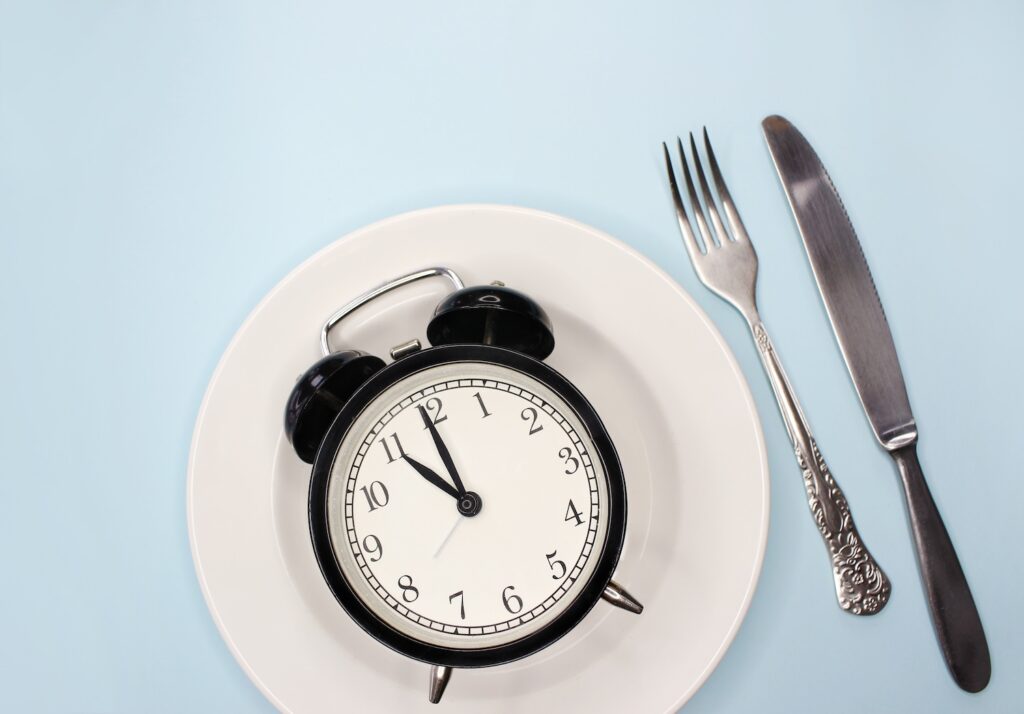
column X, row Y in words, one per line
column 862, row 588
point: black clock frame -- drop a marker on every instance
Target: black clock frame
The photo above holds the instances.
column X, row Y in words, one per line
column 320, row 534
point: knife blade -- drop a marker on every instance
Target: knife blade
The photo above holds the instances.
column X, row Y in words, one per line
column 865, row 340
column 845, row 284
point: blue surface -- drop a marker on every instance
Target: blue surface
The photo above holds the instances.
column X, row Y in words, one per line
column 163, row 164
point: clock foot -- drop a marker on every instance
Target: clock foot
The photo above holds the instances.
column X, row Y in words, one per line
column 617, row 596
column 439, row 676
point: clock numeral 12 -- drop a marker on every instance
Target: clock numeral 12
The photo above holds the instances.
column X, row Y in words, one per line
column 462, row 603
column 376, row 495
column 387, row 449
column 432, row 405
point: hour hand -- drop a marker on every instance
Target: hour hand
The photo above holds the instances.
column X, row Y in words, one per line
column 431, row 476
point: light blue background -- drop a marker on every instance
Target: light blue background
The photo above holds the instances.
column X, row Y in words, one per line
column 163, row 164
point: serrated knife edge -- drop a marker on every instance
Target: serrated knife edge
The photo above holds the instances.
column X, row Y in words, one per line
column 845, row 283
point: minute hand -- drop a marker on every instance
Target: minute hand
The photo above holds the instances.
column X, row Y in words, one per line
column 442, row 450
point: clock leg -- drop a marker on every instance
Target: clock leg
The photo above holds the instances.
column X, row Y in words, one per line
column 617, row 596
column 439, row 676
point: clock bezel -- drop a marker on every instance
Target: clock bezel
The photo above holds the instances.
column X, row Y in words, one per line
column 320, row 533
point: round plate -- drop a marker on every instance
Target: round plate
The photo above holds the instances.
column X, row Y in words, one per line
column 665, row 384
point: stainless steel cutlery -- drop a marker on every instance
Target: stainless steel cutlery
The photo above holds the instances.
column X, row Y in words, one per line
column 864, row 338
column 725, row 261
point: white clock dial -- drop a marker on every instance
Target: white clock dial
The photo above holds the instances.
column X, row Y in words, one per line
column 467, row 579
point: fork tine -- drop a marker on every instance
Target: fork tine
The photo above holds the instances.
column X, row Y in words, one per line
column 731, row 214
column 689, row 239
column 698, row 213
column 709, row 199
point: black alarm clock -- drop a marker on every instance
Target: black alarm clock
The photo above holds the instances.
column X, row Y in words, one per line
column 467, row 506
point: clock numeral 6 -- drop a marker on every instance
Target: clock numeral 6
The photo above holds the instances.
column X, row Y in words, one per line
column 409, row 591
column 372, row 546
column 513, row 603
column 376, row 495
column 434, row 405
column 530, row 414
column 462, row 603
column 573, row 514
column 565, row 453
column 555, row 566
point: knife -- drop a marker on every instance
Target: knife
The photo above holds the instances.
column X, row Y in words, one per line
column 864, row 338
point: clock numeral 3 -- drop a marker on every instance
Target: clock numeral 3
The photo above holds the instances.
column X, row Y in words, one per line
column 530, row 414
column 409, row 591
column 555, row 565
column 376, row 495
column 573, row 514
column 392, row 458
column 513, row 603
column 372, row 546
column 433, row 412
column 565, row 453
column 462, row 603
column 483, row 407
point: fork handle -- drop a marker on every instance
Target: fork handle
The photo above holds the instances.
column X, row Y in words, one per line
column 861, row 586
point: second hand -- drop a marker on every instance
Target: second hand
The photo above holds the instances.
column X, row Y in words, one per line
column 447, row 537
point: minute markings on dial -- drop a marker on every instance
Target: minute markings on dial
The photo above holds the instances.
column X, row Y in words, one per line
column 508, row 599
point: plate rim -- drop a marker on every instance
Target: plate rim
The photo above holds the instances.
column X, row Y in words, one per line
column 748, row 397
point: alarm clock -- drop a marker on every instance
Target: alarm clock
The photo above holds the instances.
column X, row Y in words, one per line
column 466, row 506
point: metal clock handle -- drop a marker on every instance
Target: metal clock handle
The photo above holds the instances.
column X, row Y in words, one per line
column 376, row 292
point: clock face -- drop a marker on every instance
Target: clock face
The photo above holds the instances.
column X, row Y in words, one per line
column 467, row 505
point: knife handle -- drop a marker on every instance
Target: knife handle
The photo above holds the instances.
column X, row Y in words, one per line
column 862, row 588
column 954, row 614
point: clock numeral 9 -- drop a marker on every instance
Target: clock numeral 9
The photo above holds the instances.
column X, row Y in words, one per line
column 434, row 405
column 573, row 514
column 530, row 414
column 372, row 546
column 376, row 495
column 513, row 603
column 409, row 591
column 555, row 565
column 565, row 453
column 462, row 603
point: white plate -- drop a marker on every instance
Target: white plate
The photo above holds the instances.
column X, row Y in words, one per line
column 654, row 367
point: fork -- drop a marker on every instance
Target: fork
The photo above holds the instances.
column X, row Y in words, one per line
column 727, row 265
